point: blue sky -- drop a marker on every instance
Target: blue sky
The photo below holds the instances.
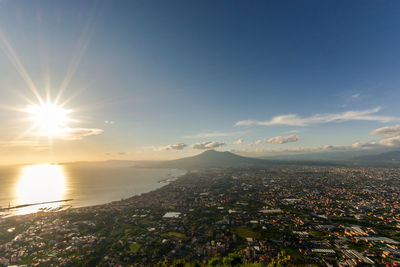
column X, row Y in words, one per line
column 174, row 75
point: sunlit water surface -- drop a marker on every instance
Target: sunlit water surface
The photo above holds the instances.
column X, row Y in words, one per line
column 45, row 187
column 40, row 184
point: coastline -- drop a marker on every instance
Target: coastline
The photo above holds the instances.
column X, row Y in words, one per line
column 67, row 205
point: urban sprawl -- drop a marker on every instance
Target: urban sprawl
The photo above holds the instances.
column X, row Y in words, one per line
column 286, row 216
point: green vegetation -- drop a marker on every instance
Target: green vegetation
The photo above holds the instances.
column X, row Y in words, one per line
column 134, row 248
column 175, row 235
column 244, row 232
column 233, row 259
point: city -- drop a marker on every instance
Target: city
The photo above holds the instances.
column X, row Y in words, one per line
column 324, row 216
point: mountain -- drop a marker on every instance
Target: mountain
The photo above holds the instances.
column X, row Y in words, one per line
column 210, row 159
column 387, row 157
column 216, row 159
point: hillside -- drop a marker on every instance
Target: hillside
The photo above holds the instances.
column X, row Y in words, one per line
column 387, row 157
column 211, row 159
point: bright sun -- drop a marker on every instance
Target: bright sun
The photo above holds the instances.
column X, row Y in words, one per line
column 49, row 119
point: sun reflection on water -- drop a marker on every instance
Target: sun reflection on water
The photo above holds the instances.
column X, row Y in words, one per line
column 38, row 184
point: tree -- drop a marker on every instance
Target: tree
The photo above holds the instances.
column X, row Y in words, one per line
column 232, row 259
column 281, row 260
column 215, row 261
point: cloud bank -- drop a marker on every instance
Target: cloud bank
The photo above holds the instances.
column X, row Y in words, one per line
column 390, row 135
column 295, row 120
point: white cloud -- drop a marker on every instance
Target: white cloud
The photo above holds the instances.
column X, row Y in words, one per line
column 294, row 120
column 390, row 135
column 178, row 146
column 365, row 145
column 79, row 133
column 208, row 145
column 390, row 141
column 388, row 131
column 238, row 142
column 283, row 139
column 214, row 134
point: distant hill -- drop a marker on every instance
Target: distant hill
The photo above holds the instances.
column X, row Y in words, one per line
column 387, row 157
column 210, row 159
column 215, row 159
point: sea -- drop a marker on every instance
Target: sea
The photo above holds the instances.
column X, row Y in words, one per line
column 49, row 187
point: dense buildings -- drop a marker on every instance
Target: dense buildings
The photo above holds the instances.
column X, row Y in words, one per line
column 318, row 215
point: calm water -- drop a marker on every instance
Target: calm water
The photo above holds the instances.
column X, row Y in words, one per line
column 86, row 185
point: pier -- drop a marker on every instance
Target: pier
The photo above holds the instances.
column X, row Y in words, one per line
column 34, row 204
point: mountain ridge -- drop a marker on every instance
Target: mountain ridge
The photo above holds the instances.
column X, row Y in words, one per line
column 391, row 156
column 210, row 159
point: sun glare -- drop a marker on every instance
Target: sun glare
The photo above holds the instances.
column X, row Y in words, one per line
column 38, row 184
column 49, row 119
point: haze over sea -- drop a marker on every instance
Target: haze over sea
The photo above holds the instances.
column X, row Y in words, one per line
column 85, row 184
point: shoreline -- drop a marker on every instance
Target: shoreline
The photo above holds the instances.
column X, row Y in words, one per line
column 163, row 182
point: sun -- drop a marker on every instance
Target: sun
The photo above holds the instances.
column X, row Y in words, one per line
column 49, row 119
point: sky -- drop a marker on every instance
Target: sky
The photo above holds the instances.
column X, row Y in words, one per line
column 167, row 79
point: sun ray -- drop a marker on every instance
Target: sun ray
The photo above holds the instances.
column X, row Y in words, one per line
column 80, row 50
column 74, row 95
column 44, row 62
column 9, row 143
column 22, row 96
column 49, row 119
column 12, row 108
column 9, row 51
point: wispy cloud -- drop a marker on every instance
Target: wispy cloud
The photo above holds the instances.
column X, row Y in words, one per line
column 208, row 145
column 283, row 139
column 33, row 144
column 388, row 131
column 79, row 133
column 295, row 120
column 292, row 131
column 121, row 153
column 214, row 134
